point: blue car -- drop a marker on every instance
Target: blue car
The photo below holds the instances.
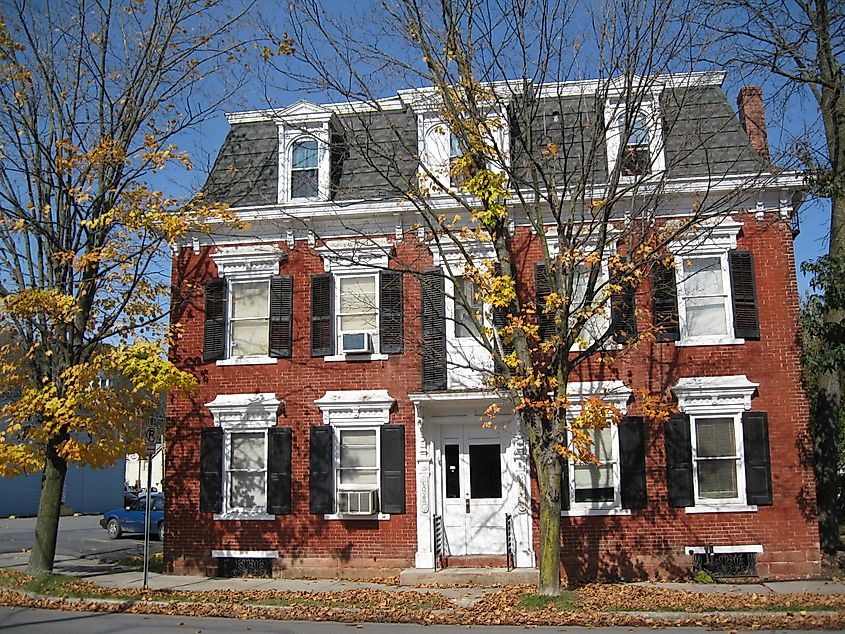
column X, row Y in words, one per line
column 131, row 518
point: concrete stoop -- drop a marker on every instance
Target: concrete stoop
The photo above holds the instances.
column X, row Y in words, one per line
column 468, row 576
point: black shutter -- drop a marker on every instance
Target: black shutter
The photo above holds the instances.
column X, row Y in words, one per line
column 623, row 312
column 433, row 330
column 278, row 470
column 391, row 327
column 565, row 502
column 281, row 315
column 392, row 469
column 665, row 295
column 322, row 332
column 500, row 318
column 679, row 460
column 321, row 476
column 744, row 293
column 214, row 343
column 211, row 469
column 542, row 288
column 632, row 463
column 758, row 466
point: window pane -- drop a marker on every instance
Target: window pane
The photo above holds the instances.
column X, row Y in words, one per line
column 304, row 184
column 357, row 305
column 246, row 490
column 714, row 437
column 463, row 321
column 247, row 451
column 706, row 316
column 639, row 133
column 485, row 471
column 453, row 472
column 250, row 299
column 157, row 504
column 703, row 276
column 717, row 479
column 357, row 450
column 589, row 476
column 304, row 155
column 358, row 476
column 250, row 337
column 602, row 444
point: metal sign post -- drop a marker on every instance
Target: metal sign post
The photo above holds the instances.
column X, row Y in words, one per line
column 151, row 440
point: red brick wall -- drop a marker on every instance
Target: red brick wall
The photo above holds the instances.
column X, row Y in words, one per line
column 303, row 540
column 646, row 544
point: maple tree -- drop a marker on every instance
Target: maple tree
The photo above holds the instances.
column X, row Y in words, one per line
column 599, row 229
column 93, row 95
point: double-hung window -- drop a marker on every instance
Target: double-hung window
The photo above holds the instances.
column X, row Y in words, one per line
column 596, row 485
column 717, row 454
column 704, row 305
column 246, row 471
column 249, row 318
column 636, row 158
column 304, row 169
column 357, row 313
column 357, row 470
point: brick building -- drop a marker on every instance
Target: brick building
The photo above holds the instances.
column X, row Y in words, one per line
column 337, row 422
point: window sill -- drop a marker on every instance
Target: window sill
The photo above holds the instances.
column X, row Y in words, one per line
column 588, row 512
column 248, row 361
column 341, row 516
column 709, row 341
column 244, row 515
column 721, row 508
column 375, row 356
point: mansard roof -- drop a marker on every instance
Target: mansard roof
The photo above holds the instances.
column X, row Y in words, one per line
column 375, row 146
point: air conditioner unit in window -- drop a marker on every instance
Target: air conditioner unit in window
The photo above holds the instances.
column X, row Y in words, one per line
column 357, row 343
column 357, row 502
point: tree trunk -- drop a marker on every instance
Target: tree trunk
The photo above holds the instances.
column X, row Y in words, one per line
column 548, row 480
column 49, row 506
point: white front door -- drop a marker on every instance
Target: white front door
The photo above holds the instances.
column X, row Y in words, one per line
column 472, row 490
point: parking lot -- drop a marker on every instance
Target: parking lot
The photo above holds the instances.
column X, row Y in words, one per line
column 79, row 537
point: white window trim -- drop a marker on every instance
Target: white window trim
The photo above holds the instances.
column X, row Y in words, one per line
column 717, row 397
column 244, row 264
column 615, row 393
column 723, row 550
column 355, row 410
column 711, row 238
column 615, row 110
column 253, row 359
column 251, row 554
column 304, row 121
column 374, row 333
column 242, row 413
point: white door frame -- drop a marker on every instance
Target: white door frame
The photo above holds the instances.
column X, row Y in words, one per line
column 432, row 412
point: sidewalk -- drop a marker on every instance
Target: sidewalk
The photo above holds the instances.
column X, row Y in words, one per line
column 110, row 575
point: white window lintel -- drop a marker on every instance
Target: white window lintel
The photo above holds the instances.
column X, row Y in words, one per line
column 356, row 407
column 248, row 262
column 354, row 256
column 244, row 411
column 615, row 393
column 714, row 395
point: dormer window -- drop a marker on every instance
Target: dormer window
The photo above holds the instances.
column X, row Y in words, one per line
column 455, row 154
column 305, row 139
column 634, row 137
column 636, row 158
column 304, row 170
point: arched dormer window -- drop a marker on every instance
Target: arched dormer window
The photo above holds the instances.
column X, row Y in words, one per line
column 636, row 157
column 304, row 170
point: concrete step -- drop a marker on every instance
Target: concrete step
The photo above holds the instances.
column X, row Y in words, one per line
column 468, row 576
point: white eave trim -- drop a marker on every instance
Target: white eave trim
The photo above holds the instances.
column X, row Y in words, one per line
column 441, row 397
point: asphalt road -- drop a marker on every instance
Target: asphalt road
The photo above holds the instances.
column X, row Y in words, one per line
column 78, row 537
column 27, row 621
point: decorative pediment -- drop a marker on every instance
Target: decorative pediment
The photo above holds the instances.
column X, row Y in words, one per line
column 251, row 411
column 303, row 112
column 339, row 255
column 248, row 262
column 355, row 407
column 714, row 394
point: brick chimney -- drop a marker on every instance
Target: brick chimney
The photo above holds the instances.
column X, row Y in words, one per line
column 752, row 117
